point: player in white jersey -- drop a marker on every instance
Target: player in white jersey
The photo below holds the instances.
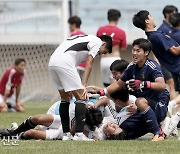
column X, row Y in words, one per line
column 66, row 80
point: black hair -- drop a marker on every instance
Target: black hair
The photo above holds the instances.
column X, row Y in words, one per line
column 143, row 43
column 93, row 118
column 108, row 40
column 168, row 9
column 19, row 60
column 175, row 19
column 113, row 15
column 122, row 94
column 119, row 65
column 75, row 20
column 139, row 19
column 120, row 136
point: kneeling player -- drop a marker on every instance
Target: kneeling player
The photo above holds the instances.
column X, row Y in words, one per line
column 10, row 81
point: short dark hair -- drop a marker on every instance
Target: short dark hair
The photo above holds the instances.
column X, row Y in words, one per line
column 19, row 60
column 122, row 94
column 93, row 118
column 143, row 43
column 108, row 40
column 139, row 19
column 168, row 9
column 119, row 65
column 120, row 136
column 175, row 19
column 75, row 20
column 113, row 15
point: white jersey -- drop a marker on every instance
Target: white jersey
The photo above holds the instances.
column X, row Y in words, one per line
column 75, row 50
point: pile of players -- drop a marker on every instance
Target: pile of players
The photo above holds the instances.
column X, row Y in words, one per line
column 135, row 101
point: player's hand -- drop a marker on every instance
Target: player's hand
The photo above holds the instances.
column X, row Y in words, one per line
column 138, row 84
column 85, row 94
column 132, row 109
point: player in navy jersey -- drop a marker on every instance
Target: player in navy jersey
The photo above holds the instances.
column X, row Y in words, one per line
column 166, row 49
column 167, row 28
column 145, row 77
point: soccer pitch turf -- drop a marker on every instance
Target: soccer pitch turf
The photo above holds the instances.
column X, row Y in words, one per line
column 172, row 145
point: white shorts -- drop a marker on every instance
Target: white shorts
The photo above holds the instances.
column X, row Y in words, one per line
column 105, row 64
column 11, row 100
column 54, row 134
column 65, row 78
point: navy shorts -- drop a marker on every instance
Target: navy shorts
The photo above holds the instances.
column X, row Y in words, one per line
column 135, row 126
column 166, row 73
column 176, row 78
column 159, row 107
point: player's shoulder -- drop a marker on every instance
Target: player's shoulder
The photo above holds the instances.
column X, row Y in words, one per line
column 131, row 64
column 10, row 71
column 152, row 64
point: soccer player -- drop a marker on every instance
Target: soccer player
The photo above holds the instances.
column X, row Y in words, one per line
column 166, row 50
column 145, row 77
column 65, row 79
column 119, row 44
column 175, row 21
column 74, row 26
column 167, row 28
column 11, row 81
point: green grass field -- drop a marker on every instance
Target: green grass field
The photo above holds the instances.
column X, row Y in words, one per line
column 172, row 145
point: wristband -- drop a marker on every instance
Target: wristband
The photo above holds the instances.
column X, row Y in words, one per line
column 148, row 84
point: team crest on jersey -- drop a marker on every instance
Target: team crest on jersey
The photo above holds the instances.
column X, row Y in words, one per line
column 143, row 76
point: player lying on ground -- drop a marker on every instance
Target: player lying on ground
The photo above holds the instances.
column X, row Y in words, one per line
column 149, row 84
column 65, row 78
column 50, row 123
column 11, row 81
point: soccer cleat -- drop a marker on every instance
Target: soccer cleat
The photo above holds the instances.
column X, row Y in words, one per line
column 158, row 137
column 4, row 132
column 175, row 132
column 67, row 136
column 165, row 125
column 172, row 126
column 81, row 137
column 14, row 126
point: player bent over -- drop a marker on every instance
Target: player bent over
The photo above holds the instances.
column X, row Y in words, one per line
column 147, row 80
column 11, row 81
column 65, row 78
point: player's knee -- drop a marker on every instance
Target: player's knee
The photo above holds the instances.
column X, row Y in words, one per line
column 3, row 109
column 36, row 119
column 141, row 103
column 29, row 134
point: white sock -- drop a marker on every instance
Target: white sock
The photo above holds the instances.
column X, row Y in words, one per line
column 172, row 103
column 176, row 118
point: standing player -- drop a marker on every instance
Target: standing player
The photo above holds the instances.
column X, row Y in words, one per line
column 119, row 43
column 167, row 28
column 74, row 26
column 166, row 50
column 10, row 81
column 65, row 79
column 148, row 82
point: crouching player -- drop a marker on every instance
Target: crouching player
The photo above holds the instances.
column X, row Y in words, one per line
column 149, row 84
column 10, row 82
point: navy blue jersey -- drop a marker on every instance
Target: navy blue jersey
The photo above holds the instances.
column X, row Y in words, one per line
column 149, row 72
column 161, row 44
column 165, row 28
column 176, row 35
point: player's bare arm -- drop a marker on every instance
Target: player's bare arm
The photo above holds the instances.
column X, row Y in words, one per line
column 175, row 50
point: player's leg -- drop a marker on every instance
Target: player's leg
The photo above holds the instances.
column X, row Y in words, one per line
column 150, row 118
column 3, row 107
column 34, row 134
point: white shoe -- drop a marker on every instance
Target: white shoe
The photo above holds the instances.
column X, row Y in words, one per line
column 171, row 127
column 175, row 132
column 67, row 136
column 171, row 107
column 81, row 137
column 14, row 126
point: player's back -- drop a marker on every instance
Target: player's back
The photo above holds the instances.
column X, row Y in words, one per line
column 76, row 49
column 118, row 35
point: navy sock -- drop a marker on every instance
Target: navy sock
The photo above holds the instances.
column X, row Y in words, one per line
column 80, row 111
column 64, row 114
column 151, row 120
